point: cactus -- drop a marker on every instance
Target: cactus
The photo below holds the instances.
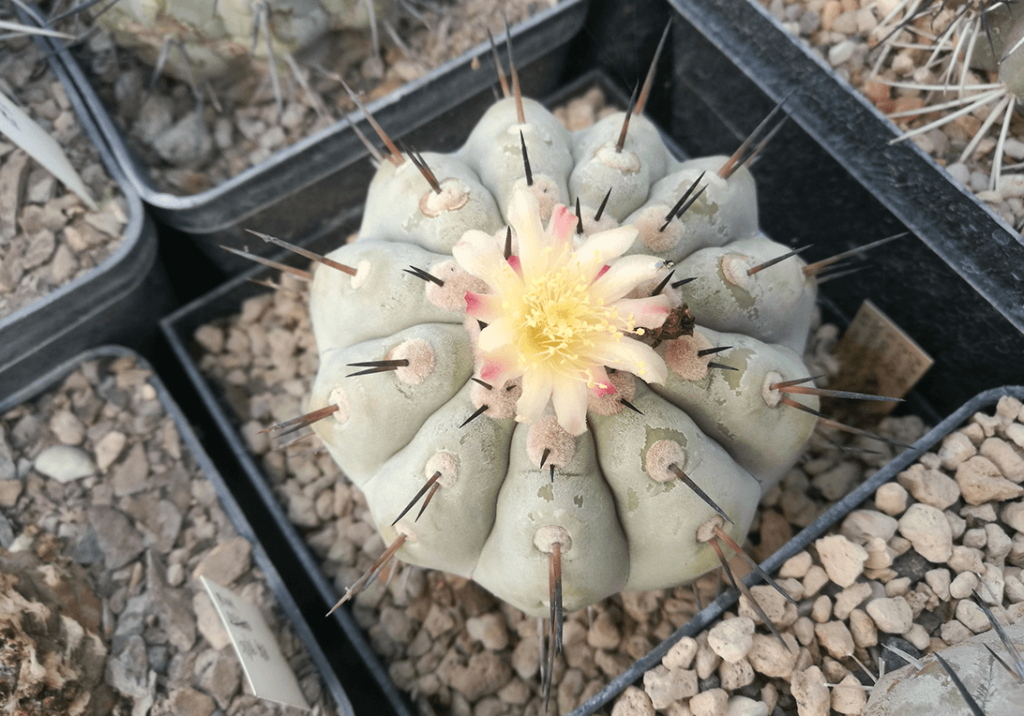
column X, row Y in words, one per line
column 982, row 35
column 573, row 431
column 985, row 668
column 221, row 39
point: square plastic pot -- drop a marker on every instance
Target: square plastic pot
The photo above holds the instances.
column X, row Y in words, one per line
column 179, row 329
column 265, row 555
column 984, row 401
column 227, row 300
column 294, row 194
column 955, row 284
column 118, row 301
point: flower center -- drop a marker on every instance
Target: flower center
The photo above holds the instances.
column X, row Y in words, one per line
column 557, row 321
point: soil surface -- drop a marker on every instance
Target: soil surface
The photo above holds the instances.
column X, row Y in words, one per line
column 106, row 525
column 913, row 570
column 48, row 236
column 190, row 147
column 847, row 35
column 452, row 645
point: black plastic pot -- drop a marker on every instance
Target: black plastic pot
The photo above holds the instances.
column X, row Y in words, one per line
column 832, row 178
column 296, row 193
column 833, row 516
column 808, row 190
column 179, row 329
column 119, row 300
column 239, row 517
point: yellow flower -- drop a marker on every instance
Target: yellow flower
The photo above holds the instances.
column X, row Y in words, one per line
column 557, row 315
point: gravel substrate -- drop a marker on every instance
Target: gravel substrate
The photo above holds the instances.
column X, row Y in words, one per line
column 447, row 641
column 241, row 125
column 904, row 570
column 845, row 32
column 48, row 237
column 106, row 520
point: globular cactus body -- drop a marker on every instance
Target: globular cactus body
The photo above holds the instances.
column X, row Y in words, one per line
column 584, row 405
column 983, row 665
column 217, row 37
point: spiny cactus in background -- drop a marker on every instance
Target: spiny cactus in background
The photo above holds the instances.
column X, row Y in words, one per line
column 982, row 675
column 580, row 402
column 986, row 36
column 218, row 39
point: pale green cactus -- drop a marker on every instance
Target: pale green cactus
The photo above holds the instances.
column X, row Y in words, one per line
column 218, row 35
column 987, row 665
column 537, row 450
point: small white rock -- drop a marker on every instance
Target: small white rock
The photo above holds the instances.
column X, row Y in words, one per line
column 891, row 615
column 928, row 531
column 842, row 559
column 742, row 706
column 732, row 638
column 64, row 463
column 891, row 498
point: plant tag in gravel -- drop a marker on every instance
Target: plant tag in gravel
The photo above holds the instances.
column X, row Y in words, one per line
column 39, row 145
column 265, row 667
column 879, row 357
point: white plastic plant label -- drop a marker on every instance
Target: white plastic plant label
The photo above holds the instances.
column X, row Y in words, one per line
column 264, row 665
column 38, row 144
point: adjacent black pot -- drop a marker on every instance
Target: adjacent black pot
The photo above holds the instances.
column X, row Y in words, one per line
column 956, row 285
column 240, row 518
column 296, row 193
column 119, row 300
column 180, row 328
column 830, row 177
column 984, row 401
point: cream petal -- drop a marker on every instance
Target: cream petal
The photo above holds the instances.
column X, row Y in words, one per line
column 497, row 334
column 484, row 306
column 569, row 396
column 601, row 248
column 648, row 312
column 562, row 224
column 537, row 385
column 630, row 355
column 478, row 255
column 500, row 366
column 624, row 275
column 524, row 216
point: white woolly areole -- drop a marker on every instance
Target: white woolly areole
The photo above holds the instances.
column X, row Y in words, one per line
column 771, row 397
column 544, row 189
column 682, row 359
column 444, row 463
column 451, row 296
column 531, row 133
column 454, row 195
column 625, row 161
column 500, row 399
column 546, row 433
column 547, row 536
column 339, row 397
column 362, row 273
column 652, row 236
column 734, row 269
column 706, row 532
column 404, row 529
column 592, row 225
column 662, row 454
column 421, row 359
